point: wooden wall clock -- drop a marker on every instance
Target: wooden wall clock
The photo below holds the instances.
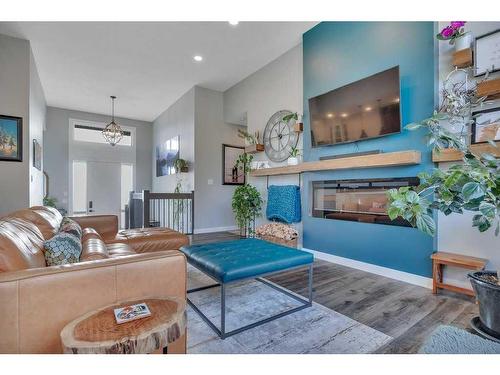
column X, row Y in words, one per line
column 279, row 137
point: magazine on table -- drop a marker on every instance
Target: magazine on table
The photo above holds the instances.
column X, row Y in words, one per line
column 128, row 313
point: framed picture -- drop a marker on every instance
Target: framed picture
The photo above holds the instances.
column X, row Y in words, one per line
column 11, row 138
column 166, row 154
column 231, row 174
column 486, row 126
column 487, row 53
column 37, row 155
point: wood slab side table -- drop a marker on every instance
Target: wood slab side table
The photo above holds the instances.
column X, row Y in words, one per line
column 442, row 258
column 98, row 333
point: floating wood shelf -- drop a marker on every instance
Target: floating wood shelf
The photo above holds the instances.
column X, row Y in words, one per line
column 253, row 149
column 298, row 127
column 489, row 88
column 463, row 58
column 390, row 159
column 451, row 154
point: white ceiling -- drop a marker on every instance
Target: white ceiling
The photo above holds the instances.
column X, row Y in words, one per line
column 148, row 66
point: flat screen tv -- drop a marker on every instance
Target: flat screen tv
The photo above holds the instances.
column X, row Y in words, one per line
column 364, row 109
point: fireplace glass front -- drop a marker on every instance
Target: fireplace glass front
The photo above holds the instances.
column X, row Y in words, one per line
column 357, row 200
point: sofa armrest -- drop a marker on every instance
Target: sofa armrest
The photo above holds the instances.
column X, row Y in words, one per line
column 35, row 304
column 105, row 225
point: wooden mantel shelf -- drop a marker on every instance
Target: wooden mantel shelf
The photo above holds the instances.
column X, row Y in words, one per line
column 390, row 159
column 451, row 154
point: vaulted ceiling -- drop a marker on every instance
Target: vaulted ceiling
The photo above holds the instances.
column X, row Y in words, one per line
column 148, row 66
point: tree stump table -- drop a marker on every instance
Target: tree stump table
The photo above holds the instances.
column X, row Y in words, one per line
column 98, row 333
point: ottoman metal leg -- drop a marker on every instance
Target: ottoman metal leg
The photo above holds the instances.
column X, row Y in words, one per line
column 222, row 331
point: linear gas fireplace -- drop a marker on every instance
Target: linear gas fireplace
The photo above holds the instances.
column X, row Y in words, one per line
column 357, row 200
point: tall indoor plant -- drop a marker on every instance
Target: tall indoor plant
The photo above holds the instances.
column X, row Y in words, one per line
column 247, row 201
column 473, row 185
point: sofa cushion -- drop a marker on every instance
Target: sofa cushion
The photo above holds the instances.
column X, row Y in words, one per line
column 144, row 240
column 47, row 219
column 93, row 249
column 70, row 226
column 21, row 245
column 119, row 249
column 63, row 248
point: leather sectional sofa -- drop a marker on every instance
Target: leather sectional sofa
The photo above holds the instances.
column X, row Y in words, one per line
column 37, row 301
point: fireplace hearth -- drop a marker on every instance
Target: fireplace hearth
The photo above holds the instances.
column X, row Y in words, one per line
column 362, row 200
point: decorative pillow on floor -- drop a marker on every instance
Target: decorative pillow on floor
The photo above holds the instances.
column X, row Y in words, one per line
column 72, row 227
column 63, row 248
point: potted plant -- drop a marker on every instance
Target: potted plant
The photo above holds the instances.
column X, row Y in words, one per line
column 293, row 159
column 472, row 186
column 181, row 165
column 456, row 35
column 299, row 126
column 253, row 140
column 247, row 201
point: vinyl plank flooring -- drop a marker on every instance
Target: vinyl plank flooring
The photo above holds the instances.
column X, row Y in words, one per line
column 406, row 312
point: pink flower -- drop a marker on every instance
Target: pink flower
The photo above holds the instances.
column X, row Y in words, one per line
column 447, row 32
column 457, row 24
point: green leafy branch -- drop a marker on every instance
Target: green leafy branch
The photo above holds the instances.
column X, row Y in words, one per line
column 471, row 186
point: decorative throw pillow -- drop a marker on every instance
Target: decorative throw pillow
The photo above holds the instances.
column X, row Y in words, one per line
column 63, row 248
column 72, row 227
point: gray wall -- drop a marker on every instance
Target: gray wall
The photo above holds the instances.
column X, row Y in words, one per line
column 14, row 101
column 276, row 86
column 56, row 151
column 178, row 119
column 212, row 199
column 38, row 111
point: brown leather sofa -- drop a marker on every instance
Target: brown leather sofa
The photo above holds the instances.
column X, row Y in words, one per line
column 37, row 301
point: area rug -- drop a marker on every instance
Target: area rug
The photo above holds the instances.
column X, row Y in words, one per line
column 313, row 330
column 453, row 340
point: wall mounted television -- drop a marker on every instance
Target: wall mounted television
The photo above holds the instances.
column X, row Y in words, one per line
column 364, row 109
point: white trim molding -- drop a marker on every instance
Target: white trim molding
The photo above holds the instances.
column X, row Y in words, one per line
column 214, row 229
column 410, row 278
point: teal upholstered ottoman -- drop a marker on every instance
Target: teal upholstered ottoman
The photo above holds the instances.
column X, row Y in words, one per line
column 232, row 261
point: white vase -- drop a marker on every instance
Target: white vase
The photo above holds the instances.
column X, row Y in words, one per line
column 293, row 160
column 463, row 42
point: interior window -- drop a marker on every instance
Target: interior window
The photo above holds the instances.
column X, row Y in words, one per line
column 127, row 185
column 93, row 134
column 79, row 187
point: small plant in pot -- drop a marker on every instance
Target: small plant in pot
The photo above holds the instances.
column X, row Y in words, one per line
column 293, row 159
column 247, row 201
column 471, row 186
column 181, row 166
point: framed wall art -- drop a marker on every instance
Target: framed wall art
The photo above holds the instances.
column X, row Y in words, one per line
column 231, row 174
column 486, row 126
column 487, row 53
column 166, row 154
column 11, row 138
column 37, row 155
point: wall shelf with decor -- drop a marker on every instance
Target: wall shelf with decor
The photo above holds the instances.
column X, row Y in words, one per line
column 253, row 149
column 463, row 58
column 389, row 159
column 489, row 88
column 451, row 154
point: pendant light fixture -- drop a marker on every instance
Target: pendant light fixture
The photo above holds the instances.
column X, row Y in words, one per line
column 112, row 133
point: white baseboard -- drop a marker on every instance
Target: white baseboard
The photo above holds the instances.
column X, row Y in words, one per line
column 410, row 278
column 214, row 229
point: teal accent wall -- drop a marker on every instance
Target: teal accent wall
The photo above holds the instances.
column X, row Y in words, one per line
column 338, row 53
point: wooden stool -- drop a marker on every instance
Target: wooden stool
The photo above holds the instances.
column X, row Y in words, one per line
column 98, row 333
column 441, row 259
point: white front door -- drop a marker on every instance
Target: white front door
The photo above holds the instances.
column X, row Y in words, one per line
column 103, row 188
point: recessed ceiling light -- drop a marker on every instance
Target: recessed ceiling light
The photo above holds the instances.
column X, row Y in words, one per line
column 344, row 115
column 197, row 58
column 368, row 108
column 233, row 23
column 329, row 115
